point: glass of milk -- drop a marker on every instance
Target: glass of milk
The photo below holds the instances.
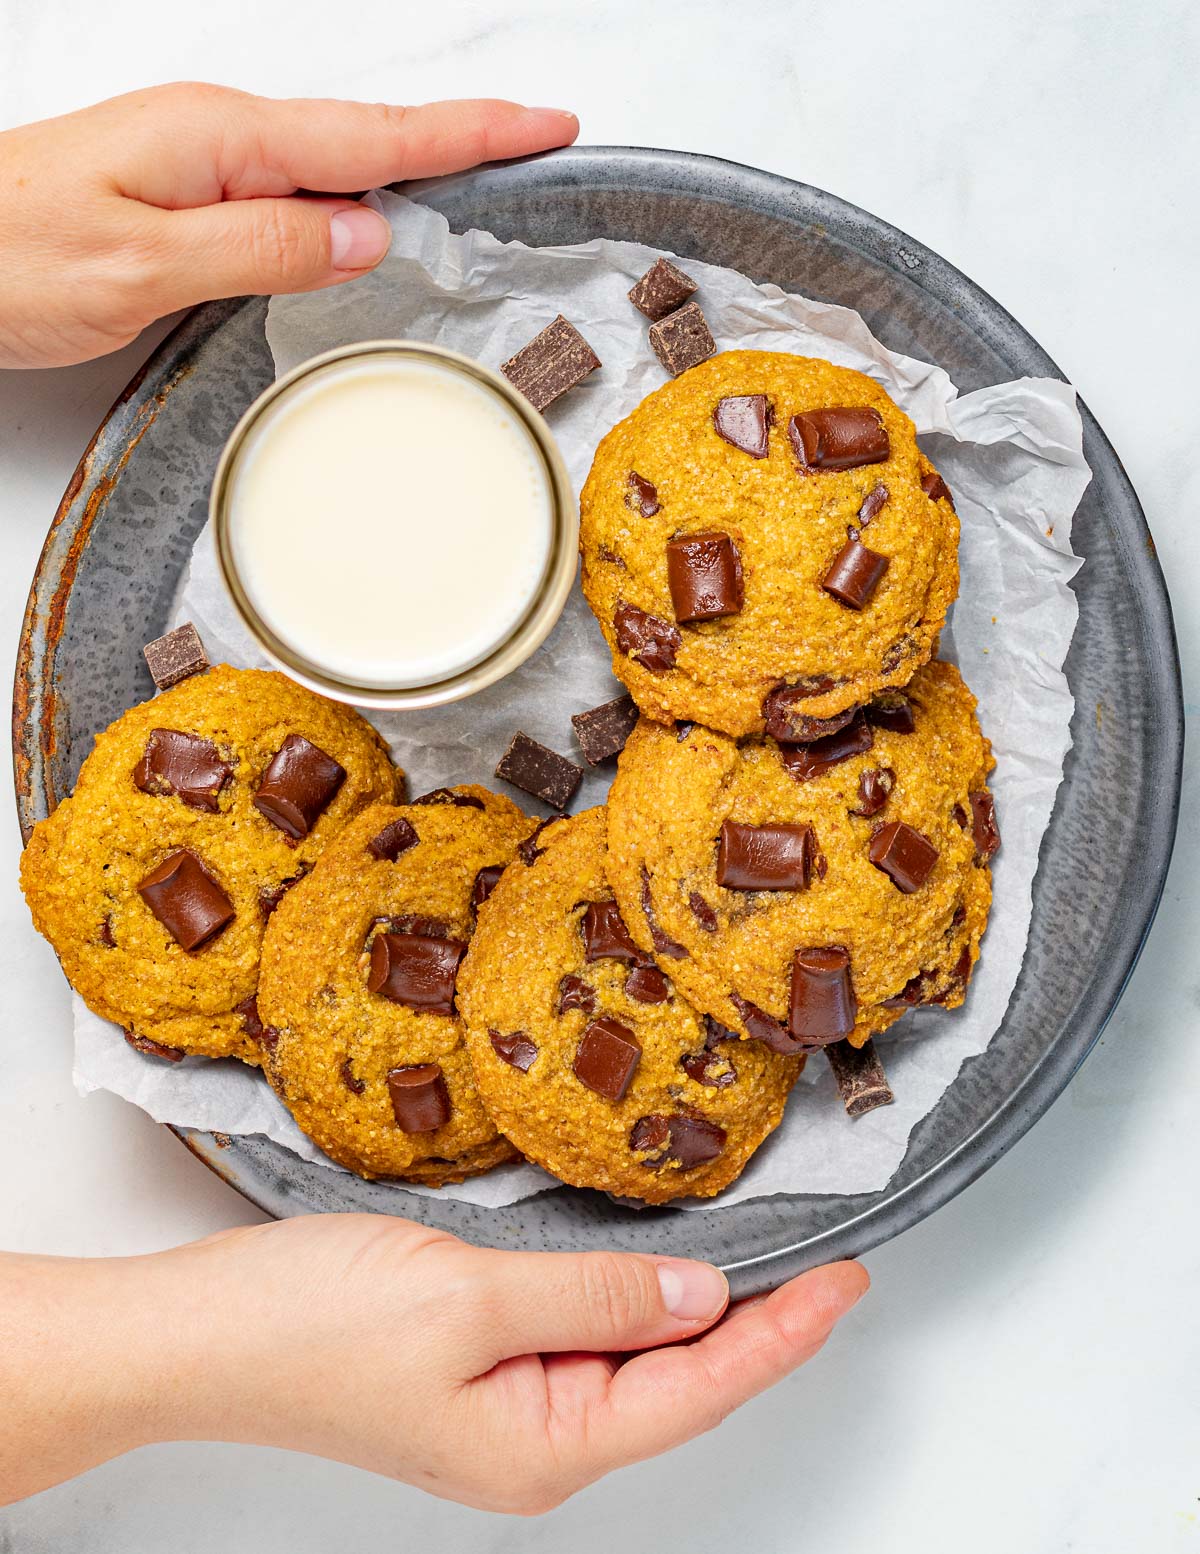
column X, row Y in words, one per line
column 395, row 524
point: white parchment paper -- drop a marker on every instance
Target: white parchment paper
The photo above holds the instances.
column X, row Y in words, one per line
column 1012, row 456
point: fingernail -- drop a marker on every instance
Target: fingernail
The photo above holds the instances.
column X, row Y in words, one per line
column 692, row 1291
column 358, row 238
column 562, row 113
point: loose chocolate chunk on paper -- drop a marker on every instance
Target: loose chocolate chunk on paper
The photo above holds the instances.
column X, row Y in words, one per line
column 905, row 855
column 776, row 856
column 682, row 339
column 647, row 985
column 270, row 897
column 298, row 785
column 823, row 1005
column 176, row 656
column 535, row 769
column 842, row 437
column 983, row 825
column 187, row 900
column 892, row 711
column 805, row 761
column 448, row 796
column 745, row 421
column 787, row 723
column 352, row 1083
column 854, row 575
column 607, row 1055
column 183, row 766
column 154, row 1049
column 553, row 362
column 395, row 838
column 936, row 489
column 575, row 993
column 603, row 731
column 650, row 640
column 420, row 1100
column 714, row 1069
column 861, row 1081
column 874, row 786
column 702, row 912
column 873, row 503
column 662, row 289
column 516, row 1049
column 642, row 495
column 485, row 882
column 528, row 851
column 662, row 942
column 704, row 572
column 681, row 1139
column 416, row 970
column 605, row 936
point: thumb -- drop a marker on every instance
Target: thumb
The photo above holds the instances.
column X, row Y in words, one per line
column 251, row 247
column 596, row 1301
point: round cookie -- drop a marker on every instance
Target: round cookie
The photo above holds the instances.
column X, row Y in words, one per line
column 804, row 893
column 191, row 817
column 588, row 1059
column 357, row 992
column 725, row 573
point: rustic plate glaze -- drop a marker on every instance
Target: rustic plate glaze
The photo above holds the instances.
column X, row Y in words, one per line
column 120, row 539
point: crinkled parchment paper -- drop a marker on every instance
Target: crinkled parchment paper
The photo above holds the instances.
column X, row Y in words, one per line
column 1012, row 456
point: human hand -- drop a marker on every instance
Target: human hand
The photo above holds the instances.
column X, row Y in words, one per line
column 163, row 198
column 492, row 1378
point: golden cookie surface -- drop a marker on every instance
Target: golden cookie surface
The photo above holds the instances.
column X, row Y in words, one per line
column 84, row 863
column 675, row 791
column 787, row 525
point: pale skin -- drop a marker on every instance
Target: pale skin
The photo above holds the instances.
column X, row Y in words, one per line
column 505, row 1380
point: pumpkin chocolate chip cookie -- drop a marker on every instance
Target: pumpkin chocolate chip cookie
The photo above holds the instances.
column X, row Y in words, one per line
column 587, row 1055
column 192, row 816
column 806, row 893
column 765, row 546
column 361, row 1036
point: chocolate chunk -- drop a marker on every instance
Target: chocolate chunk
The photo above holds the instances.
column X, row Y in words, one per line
column 874, row 786
column 154, row 1049
column 416, row 970
column 983, row 825
column 647, row 985
column 716, row 1033
column 702, row 912
column 176, row 656
column 420, row 1099
column 682, row 1140
column 903, row 647
column 745, row 421
column 786, row 723
column 961, row 816
column 107, row 937
column 247, row 1011
column 905, row 855
column 449, row 796
column 544, row 773
column 915, row 991
column 682, row 339
column 650, row 640
column 182, row 766
column 776, row 856
column 936, row 489
column 575, row 993
column 761, row 1027
column 854, row 575
column 714, row 1069
column 891, row 711
column 705, row 576
column 602, row 732
column 411, row 922
column 395, row 838
column 606, row 1057
column 605, row 936
column 662, row 289
column 642, row 495
column 485, row 882
column 873, row 503
column 187, row 900
column 840, row 438
column 682, row 730
column 805, row 761
column 269, row 899
column 662, row 942
column 351, row 1082
column 861, row 1081
column 516, row 1049
column 528, row 851
column 823, row 1005
column 297, row 786
column 553, row 362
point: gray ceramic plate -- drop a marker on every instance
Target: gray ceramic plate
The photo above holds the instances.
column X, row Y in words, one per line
column 126, row 525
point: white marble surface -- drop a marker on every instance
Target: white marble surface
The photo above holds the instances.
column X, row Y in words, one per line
column 1023, row 1375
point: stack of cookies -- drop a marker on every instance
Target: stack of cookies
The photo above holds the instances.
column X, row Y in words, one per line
column 795, row 849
